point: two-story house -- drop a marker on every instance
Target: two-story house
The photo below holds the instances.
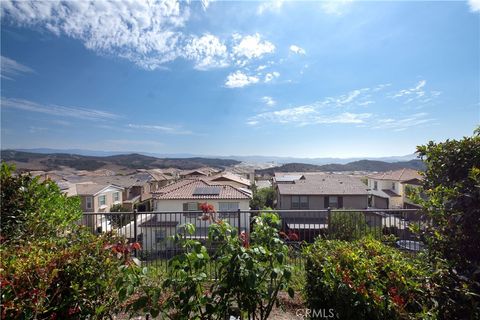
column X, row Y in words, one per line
column 98, row 198
column 388, row 189
column 179, row 203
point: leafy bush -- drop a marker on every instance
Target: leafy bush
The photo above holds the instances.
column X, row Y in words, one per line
column 262, row 198
column 33, row 209
column 248, row 275
column 365, row 279
column 68, row 278
column 349, row 226
column 452, row 203
column 51, row 267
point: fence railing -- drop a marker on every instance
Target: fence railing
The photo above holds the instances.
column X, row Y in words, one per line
column 154, row 230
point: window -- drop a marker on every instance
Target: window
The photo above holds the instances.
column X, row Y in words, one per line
column 375, row 185
column 299, row 202
column 393, row 185
column 228, row 206
column 102, row 200
column 116, row 196
column 192, row 206
column 333, row 202
column 159, row 236
column 88, row 202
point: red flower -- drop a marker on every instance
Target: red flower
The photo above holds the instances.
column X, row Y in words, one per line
column 136, row 246
column 244, row 239
column 293, row 236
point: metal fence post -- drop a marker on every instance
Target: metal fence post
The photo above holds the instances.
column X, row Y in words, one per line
column 329, row 219
column 239, row 222
column 135, row 228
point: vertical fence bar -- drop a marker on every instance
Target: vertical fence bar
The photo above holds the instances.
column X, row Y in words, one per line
column 135, row 228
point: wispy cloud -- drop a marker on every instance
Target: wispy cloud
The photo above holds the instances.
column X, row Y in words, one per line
column 269, row 6
column 164, row 129
column 269, row 101
column 296, row 49
column 403, row 123
column 207, row 52
column 474, row 5
column 271, row 75
column 11, row 68
column 336, row 7
column 56, row 110
column 416, row 94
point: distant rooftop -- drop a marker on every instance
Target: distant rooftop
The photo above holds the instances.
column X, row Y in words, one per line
column 190, row 189
column 324, row 184
column 398, row 175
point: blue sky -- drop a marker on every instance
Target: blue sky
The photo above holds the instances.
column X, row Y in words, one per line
column 301, row 79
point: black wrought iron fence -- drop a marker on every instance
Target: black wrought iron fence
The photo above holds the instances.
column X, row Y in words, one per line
column 154, row 230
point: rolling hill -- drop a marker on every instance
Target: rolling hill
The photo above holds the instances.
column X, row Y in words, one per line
column 361, row 165
column 54, row 161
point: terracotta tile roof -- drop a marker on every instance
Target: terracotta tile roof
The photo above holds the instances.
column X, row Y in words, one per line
column 398, row 175
column 184, row 189
column 324, row 184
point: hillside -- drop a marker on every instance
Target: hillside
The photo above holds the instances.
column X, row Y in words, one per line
column 54, row 161
column 361, row 165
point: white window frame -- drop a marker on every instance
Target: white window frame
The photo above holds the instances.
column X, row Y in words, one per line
column 89, row 202
column 100, row 201
column 393, row 185
column 160, row 235
column 116, row 196
column 375, row 185
column 301, row 205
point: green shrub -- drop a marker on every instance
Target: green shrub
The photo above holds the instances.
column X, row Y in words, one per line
column 51, row 267
column 349, row 226
column 365, row 279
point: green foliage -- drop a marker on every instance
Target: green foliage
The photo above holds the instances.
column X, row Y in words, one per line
column 349, row 226
column 51, row 267
column 248, row 275
column 117, row 218
column 366, row 279
column 262, row 198
column 33, row 209
column 452, row 187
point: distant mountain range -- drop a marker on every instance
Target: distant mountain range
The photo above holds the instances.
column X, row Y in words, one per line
column 123, row 162
column 249, row 159
column 361, row 165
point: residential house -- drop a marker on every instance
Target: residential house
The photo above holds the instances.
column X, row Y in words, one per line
column 229, row 178
column 179, row 203
column 319, row 191
column 388, row 189
column 198, row 173
column 98, row 198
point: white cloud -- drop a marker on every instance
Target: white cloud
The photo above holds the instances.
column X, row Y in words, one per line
column 417, row 94
column 11, row 68
column 474, row 5
column 273, row 6
column 271, row 75
column 239, row 79
column 336, row 7
column 165, row 129
column 307, row 115
column 146, row 33
column 56, row 110
column 269, row 101
column 297, row 49
column 251, row 46
column 404, row 123
column 207, row 51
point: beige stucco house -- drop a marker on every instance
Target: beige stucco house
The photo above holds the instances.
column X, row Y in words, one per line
column 179, row 203
column 388, row 189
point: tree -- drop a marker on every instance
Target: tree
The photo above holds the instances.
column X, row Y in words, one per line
column 262, row 198
column 452, row 187
column 118, row 219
